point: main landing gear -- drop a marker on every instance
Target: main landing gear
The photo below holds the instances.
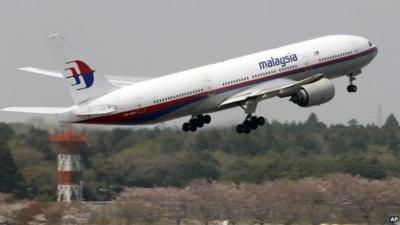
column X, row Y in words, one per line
column 252, row 121
column 197, row 121
column 352, row 88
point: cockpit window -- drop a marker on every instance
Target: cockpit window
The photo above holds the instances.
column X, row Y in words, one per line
column 370, row 44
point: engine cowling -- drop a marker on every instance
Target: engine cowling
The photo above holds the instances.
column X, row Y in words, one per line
column 314, row 94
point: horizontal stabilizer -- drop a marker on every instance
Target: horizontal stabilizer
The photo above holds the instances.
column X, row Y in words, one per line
column 36, row 110
column 116, row 80
column 46, row 72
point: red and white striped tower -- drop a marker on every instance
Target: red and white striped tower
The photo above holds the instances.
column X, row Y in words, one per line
column 69, row 165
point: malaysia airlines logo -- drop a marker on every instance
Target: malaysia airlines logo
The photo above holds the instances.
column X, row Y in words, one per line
column 81, row 74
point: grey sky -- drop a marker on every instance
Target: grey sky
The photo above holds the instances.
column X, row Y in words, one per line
column 154, row 38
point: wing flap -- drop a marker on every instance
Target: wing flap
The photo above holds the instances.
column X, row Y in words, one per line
column 291, row 89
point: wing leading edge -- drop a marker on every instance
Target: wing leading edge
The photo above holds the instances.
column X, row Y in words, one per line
column 277, row 87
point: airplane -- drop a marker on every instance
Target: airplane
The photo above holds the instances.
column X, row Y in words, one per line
column 301, row 72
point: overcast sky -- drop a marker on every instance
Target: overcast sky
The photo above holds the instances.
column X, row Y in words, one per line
column 154, row 38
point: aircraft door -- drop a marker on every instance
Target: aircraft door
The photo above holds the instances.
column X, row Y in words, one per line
column 207, row 85
column 139, row 106
column 307, row 62
column 311, row 59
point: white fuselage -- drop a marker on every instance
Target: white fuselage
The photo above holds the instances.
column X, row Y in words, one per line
column 202, row 90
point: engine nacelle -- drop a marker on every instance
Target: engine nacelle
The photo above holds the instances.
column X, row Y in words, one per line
column 314, row 94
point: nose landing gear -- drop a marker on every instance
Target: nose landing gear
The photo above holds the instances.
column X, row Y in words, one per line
column 197, row 121
column 352, row 88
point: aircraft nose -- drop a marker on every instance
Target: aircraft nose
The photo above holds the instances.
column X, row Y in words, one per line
column 375, row 50
column 373, row 47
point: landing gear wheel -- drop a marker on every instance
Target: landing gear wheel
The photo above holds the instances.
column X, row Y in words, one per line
column 250, row 123
column 206, row 119
column 193, row 127
column 193, row 121
column 186, row 127
column 200, row 124
column 254, row 122
column 247, row 123
column 253, row 125
column 200, row 119
column 240, row 128
column 196, row 121
column 260, row 121
column 352, row 88
column 247, row 130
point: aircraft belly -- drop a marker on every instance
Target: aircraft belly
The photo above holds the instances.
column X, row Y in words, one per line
column 207, row 105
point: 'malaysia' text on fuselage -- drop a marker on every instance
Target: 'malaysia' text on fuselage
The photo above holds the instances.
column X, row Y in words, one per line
column 278, row 61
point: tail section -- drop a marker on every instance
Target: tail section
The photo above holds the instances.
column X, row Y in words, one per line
column 86, row 84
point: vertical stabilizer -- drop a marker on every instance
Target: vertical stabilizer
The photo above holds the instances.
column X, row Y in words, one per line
column 85, row 83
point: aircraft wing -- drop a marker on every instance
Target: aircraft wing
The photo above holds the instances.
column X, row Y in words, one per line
column 118, row 81
column 278, row 87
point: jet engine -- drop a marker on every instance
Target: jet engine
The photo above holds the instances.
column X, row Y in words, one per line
column 314, row 94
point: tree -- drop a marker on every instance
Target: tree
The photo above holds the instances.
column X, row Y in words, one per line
column 313, row 122
column 257, row 202
column 357, row 200
column 5, row 132
column 238, row 171
column 10, row 179
column 216, row 201
column 201, row 165
column 353, row 123
column 175, row 204
column 391, row 122
column 40, row 140
column 391, row 131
